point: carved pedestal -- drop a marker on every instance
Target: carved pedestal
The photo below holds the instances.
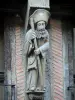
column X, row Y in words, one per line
column 35, row 95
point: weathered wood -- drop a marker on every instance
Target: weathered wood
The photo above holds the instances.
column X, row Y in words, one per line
column 7, row 62
column 39, row 3
column 74, row 55
column 74, row 48
column 65, row 60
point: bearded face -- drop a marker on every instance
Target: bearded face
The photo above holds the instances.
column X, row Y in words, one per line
column 41, row 26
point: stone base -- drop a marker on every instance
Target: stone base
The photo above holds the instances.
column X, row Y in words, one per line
column 35, row 95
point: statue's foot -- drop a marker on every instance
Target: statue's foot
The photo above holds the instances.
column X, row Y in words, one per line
column 44, row 88
column 38, row 89
column 32, row 89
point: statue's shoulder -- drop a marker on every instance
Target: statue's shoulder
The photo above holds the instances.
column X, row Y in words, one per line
column 29, row 32
column 47, row 33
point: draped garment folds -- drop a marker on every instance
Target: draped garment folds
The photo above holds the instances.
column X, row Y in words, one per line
column 32, row 73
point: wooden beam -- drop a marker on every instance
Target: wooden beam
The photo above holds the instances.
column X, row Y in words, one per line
column 39, row 3
column 9, row 10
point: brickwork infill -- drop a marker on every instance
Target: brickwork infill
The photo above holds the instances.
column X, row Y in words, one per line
column 20, row 83
column 57, row 60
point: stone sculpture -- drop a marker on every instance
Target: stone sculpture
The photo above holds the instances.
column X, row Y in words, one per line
column 36, row 46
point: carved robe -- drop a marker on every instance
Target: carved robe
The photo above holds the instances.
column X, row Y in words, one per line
column 32, row 67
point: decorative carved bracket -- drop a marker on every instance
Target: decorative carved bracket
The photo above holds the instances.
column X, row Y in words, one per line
column 35, row 95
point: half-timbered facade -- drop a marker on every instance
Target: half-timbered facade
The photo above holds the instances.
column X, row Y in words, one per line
column 61, row 70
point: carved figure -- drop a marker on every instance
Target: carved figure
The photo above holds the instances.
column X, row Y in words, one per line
column 36, row 46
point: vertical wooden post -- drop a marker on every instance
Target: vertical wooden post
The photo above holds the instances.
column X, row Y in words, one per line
column 65, row 60
column 74, row 56
column 74, row 47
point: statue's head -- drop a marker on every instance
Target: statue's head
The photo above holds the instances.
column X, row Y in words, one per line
column 40, row 25
column 40, row 18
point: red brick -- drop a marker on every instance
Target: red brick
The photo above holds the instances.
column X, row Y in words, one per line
column 18, row 53
column 57, row 76
column 19, row 50
column 18, row 33
column 58, row 86
column 20, row 81
column 18, row 37
column 20, row 96
column 56, row 53
column 56, row 98
column 18, row 42
column 57, row 57
column 19, row 74
column 18, row 47
column 19, row 71
column 58, row 82
column 20, row 85
column 18, row 56
column 59, row 45
column 57, row 64
column 57, row 68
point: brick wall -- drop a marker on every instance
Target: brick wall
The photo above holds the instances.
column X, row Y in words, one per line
column 19, row 67
column 57, row 60
column 13, row 57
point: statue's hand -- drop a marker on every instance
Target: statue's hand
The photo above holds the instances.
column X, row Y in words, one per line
column 37, row 51
column 33, row 35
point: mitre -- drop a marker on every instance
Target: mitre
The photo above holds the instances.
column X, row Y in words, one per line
column 40, row 15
